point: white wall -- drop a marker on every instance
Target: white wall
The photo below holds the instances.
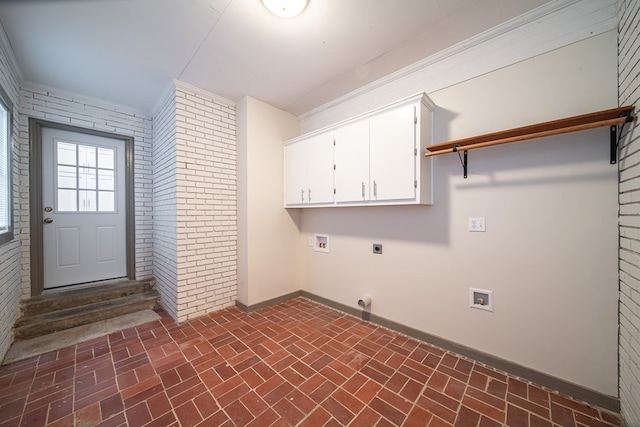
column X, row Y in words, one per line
column 549, row 252
column 629, row 94
column 269, row 260
column 10, row 252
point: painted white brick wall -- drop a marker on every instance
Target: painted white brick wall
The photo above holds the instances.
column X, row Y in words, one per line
column 164, row 205
column 195, row 203
column 629, row 94
column 10, row 252
column 62, row 107
column 206, row 204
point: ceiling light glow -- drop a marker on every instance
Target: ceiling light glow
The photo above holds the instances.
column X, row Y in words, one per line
column 286, row 8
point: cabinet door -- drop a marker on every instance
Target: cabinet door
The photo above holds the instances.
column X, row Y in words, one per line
column 392, row 155
column 295, row 173
column 319, row 188
column 352, row 162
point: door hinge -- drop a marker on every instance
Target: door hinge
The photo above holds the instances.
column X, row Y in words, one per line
column 415, row 152
column 334, row 167
column 334, row 191
column 415, row 120
column 415, row 184
column 334, row 142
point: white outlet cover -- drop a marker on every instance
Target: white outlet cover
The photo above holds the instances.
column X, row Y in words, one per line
column 477, row 224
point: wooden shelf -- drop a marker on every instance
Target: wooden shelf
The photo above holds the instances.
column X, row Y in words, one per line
column 612, row 117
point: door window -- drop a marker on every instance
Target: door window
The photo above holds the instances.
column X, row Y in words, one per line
column 85, row 178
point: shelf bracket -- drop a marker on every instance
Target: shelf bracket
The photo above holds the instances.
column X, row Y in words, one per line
column 615, row 135
column 464, row 160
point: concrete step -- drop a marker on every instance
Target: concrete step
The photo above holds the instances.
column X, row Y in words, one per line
column 68, row 309
column 62, row 300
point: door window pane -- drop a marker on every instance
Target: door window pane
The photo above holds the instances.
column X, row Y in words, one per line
column 67, row 177
column 66, row 153
column 87, row 178
column 106, row 201
column 105, row 180
column 87, row 156
column 67, row 200
column 87, row 201
column 106, row 158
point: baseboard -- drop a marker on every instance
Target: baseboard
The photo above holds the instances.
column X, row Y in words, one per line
column 593, row 397
column 267, row 303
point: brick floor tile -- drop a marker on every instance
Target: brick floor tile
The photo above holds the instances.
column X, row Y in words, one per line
column 338, row 410
column 254, row 403
column 138, row 415
column 488, row 422
column 517, row 416
column 484, row 408
column 267, row 418
column 418, row 417
column 368, row 391
column 528, row 405
column 387, row 411
column 467, row 417
column 318, row 418
column 187, row 414
column 206, row 404
column 111, row 406
column 353, row 404
column 536, row 421
column 574, row 405
column 589, row 421
column 437, row 409
column 295, row 363
column 288, row 411
column 89, row 415
column 158, row 405
column 562, row 415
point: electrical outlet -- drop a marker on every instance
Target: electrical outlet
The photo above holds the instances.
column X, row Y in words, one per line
column 477, row 224
column 310, row 243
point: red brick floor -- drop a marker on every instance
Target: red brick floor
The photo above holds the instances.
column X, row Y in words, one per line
column 297, row 363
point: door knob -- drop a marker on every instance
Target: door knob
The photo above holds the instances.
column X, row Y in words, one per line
column 48, row 209
column 48, row 220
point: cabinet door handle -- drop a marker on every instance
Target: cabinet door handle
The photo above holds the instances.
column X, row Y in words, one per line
column 375, row 189
column 363, row 190
column 302, row 195
column 309, row 194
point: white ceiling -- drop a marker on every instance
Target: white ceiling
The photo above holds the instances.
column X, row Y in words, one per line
column 128, row 51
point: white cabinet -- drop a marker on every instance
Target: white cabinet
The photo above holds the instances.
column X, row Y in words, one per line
column 393, row 152
column 376, row 159
column 351, row 153
column 309, row 171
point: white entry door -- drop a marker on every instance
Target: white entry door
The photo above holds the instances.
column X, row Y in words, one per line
column 84, row 230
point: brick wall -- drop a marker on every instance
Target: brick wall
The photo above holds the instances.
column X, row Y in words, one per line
column 164, row 204
column 206, row 203
column 60, row 107
column 10, row 252
column 629, row 93
column 195, row 203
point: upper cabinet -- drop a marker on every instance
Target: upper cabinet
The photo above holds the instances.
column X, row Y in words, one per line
column 308, row 171
column 376, row 159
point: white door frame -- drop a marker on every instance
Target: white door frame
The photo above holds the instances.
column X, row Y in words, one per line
column 35, row 197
